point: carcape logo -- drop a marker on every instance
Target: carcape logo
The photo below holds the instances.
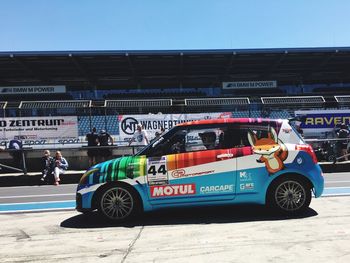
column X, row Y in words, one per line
column 217, row 189
column 173, row 190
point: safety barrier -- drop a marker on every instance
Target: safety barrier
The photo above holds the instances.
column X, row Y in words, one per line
column 76, row 156
column 326, row 150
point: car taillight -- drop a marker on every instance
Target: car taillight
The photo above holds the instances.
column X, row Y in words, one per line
column 307, row 148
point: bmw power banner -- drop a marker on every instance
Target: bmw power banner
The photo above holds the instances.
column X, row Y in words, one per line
column 154, row 122
column 35, row 131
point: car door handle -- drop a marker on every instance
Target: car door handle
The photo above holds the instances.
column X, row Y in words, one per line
column 224, row 155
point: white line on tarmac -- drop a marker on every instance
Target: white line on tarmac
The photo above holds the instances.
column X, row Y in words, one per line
column 333, row 182
column 25, row 196
column 43, row 202
column 37, row 210
column 43, row 186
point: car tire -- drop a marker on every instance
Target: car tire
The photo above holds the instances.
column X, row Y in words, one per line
column 289, row 195
column 118, row 203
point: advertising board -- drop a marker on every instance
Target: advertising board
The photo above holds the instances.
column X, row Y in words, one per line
column 34, row 131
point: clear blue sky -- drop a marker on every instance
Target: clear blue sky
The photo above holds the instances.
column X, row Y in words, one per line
column 50, row 25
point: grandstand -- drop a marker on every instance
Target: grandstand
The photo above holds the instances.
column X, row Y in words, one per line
column 113, row 90
column 98, row 85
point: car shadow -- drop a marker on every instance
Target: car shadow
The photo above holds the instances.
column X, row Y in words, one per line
column 181, row 216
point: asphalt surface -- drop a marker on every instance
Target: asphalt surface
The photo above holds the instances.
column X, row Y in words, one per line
column 44, row 193
column 208, row 234
column 213, row 234
column 53, row 198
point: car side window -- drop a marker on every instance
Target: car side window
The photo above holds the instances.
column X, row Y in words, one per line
column 171, row 145
column 203, row 139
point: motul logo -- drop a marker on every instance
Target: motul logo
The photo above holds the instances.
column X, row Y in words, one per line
column 173, row 190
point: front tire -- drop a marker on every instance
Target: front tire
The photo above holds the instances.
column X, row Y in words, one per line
column 118, row 203
column 289, row 195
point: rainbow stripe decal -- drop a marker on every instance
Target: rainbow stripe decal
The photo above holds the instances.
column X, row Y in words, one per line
column 136, row 166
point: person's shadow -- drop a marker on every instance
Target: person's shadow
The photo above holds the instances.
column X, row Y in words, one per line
column 197, row 215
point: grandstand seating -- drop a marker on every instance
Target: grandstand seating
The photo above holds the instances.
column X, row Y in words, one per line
column 280, row 115
column 267, row 107
column 258, row 92
column 329, row 91
column 108, row 123
column 34, row 97
column 155, row 95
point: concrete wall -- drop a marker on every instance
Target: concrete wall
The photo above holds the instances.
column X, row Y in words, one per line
column 76, row 157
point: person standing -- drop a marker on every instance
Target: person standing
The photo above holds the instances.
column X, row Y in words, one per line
column 139, row 137
column 92, row 139
column 60, row 165
column 15, row 147
column 343, row 134
column 105, row 140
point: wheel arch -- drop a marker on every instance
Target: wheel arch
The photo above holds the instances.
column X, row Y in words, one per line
column 292, row 175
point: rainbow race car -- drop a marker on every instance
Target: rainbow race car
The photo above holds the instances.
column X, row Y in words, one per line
column 207, row 162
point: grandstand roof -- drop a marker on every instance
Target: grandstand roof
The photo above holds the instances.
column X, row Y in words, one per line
column 174, row 68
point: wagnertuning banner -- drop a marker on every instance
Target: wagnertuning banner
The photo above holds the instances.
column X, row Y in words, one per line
column 154, row 122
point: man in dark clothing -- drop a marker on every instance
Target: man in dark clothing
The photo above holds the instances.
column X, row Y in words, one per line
column 104, row 138
column 46, row 164
column 92, row 139
column 343, row 134
column 16, row 146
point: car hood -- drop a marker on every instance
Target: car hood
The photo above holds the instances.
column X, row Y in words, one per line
column 114, row 170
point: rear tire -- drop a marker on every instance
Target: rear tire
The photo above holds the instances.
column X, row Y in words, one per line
column 118, row 203
column 289, row 195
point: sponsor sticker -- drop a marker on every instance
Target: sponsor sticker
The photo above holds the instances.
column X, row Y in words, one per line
column 180, row 173
column 214, row 189
column 225, row 156
column 244, row 176
column 157, row 172
column 172, row 190
column 247, row 186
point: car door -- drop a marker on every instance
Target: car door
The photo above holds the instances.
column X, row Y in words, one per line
column 192, row 173
column 252, row 170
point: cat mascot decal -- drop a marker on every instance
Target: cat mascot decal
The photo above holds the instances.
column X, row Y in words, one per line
column 272, row 150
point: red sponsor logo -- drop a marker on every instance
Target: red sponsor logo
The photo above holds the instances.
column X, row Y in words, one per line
column 178, row 173
column 172, row 190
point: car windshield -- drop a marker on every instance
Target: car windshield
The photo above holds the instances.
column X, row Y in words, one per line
column 149, row 148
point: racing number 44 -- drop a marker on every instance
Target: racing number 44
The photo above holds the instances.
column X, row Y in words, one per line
column 153, row 170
